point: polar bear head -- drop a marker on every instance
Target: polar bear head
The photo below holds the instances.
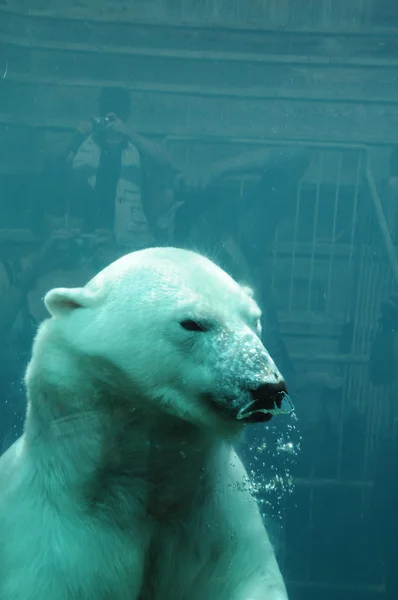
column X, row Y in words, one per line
column 161, row 330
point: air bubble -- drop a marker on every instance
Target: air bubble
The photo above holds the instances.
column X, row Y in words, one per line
column 269, row 465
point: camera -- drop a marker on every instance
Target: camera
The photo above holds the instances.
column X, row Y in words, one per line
column 79, row 246
column 99, row 124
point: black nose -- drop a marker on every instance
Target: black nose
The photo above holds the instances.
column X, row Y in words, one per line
column 268, row 399
column 268, row 393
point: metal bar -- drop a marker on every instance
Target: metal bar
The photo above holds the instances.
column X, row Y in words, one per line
column 353, row 290
column 350, row 378
column 89, row 17
column 333, row 245
column 331, row 358
column 264, row 142
column 314, row 237
column 274, row 255
column 322, row 483
column 210, row 91
column 322, row 250
column 80, row 48
column 339, row 587
column 293, row 252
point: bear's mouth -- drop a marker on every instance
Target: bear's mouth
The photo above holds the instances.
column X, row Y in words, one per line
column 259, row 408
column 268, row 399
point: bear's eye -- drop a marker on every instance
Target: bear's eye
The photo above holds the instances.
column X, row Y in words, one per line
column 192, row 325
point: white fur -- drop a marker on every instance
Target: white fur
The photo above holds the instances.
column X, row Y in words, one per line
column 125, row 484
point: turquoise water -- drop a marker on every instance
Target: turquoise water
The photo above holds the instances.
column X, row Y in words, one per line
column 263, row 135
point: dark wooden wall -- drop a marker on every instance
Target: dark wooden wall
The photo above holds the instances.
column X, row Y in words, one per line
column 305, row 14
column 304, row 71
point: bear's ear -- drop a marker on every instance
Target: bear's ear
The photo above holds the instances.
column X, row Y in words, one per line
column 62, row 301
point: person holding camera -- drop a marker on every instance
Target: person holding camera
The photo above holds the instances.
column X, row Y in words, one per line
column 118, row 172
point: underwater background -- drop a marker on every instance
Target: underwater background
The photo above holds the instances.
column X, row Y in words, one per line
column 263, row 133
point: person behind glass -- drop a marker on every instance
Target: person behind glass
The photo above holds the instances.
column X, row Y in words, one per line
column 383, row 362
column 119, row 167
column 60, row 256
column 258, row 212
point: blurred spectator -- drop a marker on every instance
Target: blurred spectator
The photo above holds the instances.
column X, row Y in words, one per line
column 106, row 196
column 64, row 257
column 119, row 174
column 256, row 215
column 383, row 363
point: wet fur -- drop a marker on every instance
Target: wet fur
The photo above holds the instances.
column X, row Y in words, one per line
column 99, row 505
column 107, row 497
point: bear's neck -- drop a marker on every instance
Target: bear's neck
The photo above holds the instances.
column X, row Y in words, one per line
column 179, row 468
column 99, row 455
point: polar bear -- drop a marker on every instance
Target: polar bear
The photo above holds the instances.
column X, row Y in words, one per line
column 125, row 484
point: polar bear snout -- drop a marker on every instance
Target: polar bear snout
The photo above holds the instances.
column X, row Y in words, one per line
column 250, row 387
column 267, row 393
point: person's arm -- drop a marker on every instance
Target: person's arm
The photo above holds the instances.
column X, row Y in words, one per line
column 295, row 160
column 262, row 159
column 147, row 148
column 247, row 162
column 150, row 149
column 83, row 130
